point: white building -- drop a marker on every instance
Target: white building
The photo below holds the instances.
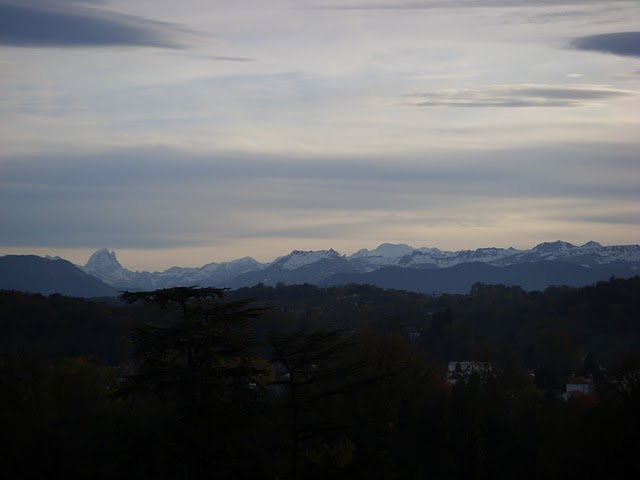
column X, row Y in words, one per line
column 458, row 370
column 580, row 385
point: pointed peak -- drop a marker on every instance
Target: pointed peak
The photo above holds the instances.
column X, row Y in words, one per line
column 331, row 252
column 393, row 245
column 245, row 260
column 393, row 250
column 363, row 252
column 299, row 258
column 103, row 252
column 429, row 250
column 591, row 244
column 103, row 259
column 240, row 261
column 556, row 246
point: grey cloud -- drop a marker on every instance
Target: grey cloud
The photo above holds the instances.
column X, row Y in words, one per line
column 166, row 198
column 626, row 219
column 228, row 58
column 165, row 170
column 67, row 24
column 426, row 4
column 621, row 43
column 598, row 13
column 520, row 96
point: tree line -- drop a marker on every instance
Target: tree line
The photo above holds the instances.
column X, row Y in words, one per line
column 206, row 383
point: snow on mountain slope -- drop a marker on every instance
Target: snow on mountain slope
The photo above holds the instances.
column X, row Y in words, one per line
column 300, row 258
column 227, row 271
column 211, row 274
column 590, row 254
column 556, row 247
column 387, row 254
column 386, row 250
column 322, row 263
column 627, row 253
column 104, row 265
column 406, row 256
column 491, row 256
column 296, row 268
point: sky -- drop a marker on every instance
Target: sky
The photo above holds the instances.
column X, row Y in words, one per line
column 183, row 133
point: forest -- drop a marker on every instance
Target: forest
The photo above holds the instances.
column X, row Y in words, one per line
column 298, row 381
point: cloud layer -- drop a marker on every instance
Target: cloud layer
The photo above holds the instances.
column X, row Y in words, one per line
column 57, row 24
column 269, row 126
column 171, row 199
column 431, row 4
column 521, row 96
column 620, row 43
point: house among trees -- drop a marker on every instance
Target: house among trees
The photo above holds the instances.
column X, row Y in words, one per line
column 579, row 385
column 412, row 334
column 464, row 370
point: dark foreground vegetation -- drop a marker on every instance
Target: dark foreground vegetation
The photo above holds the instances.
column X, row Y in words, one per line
column 303, row 382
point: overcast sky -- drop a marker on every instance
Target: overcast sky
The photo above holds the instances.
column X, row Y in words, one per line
column 183, row 133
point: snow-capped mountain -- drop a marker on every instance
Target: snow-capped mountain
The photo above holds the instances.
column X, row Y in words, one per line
column 386, row 250
column 300, row 258
column 298, row 267
column 104, row 265
column 210, row 275
column 387, row 254
column 317, row 266
column 590, row 254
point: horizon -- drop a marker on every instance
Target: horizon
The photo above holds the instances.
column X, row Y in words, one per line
column 127, row 260
column 199, row 131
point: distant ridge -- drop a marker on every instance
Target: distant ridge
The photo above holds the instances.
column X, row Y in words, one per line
column 30, row 273
column 398, row 266
column 459, row 278
column 425, row 269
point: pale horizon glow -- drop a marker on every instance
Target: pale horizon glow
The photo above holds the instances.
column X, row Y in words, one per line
column 151, row 260
column 184, row 133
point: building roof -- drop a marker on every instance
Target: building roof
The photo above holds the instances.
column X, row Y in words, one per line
column 578, row 381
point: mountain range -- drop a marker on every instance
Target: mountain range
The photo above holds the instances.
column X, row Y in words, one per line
column 399, row 266
column 426, row 270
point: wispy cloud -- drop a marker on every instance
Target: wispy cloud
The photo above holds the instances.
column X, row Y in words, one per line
column 163, row 198
column 622, row 43
column 68, row 24
column 228, row 58
column 528, row 95
column 425, row 4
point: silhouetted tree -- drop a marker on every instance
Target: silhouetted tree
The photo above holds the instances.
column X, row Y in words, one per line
column 201, row 366
column 317, row 372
